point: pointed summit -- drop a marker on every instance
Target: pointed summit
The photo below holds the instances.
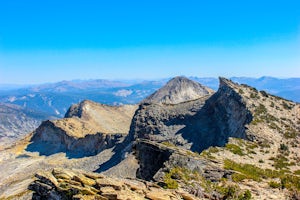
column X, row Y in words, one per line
column 178, row 90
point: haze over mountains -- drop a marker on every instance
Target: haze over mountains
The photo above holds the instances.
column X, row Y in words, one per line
column 55, row 98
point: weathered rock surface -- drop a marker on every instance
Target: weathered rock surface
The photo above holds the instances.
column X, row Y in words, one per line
column 88, row 128
column 76, row 184
column 197, row 125
column 178, row 90
column 167, row 157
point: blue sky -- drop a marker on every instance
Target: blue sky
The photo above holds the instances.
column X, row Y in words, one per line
column 51, row 40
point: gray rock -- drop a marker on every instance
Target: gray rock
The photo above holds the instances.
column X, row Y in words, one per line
column 196, row 125
column 178, row 90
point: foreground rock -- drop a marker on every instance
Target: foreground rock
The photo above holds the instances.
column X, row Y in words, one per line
column 75, row 184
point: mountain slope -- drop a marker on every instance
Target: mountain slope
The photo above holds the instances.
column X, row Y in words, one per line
column 88, row 128
column 178, row 90
column 257, row 137
column 16, row 122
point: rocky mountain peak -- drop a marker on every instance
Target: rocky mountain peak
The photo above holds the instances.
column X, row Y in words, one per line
column 226, row 82
column 88, row 127
column 78, row 110
column 177, row 90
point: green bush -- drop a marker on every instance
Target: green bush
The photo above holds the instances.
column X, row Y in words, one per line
column 254, row 96
column 290, row 182
column 263, row 93
column 247, row 171
column 290, row 134
column 274, row 184
column 280, row 162
column 169, row 181
column 297, row 172
column 283, row 147
column 234, row 149
column 286, row 106
column 246, row 196
column 241, row 91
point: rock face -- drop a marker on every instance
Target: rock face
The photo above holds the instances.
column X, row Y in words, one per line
column 88, row 128
column 178, row 90
column 167, row 157
column 198, row 124
column 103, row 118
column 76, row 184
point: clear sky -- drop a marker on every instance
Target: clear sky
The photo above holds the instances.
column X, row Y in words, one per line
column 53, row 40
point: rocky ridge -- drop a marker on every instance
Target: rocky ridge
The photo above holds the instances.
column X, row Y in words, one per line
column 252, row 130
column 195, row 124
column 238, row 143
column 75, row 184
column 87, row 129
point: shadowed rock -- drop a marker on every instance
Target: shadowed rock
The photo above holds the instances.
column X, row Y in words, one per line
column 198, row 124
column 88, row 129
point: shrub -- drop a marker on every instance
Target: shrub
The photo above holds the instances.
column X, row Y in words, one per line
column 274, row 184
column 280, row 162
column 283, row 147
column 234, row 149
column 170, row 183
column 286, row 106
column 290, row 182
column 254, row 96
column 248, row 171
column 263, row 93
column 168, row 144
column 297, row 172
column 290, row 134
column 213, row 149
column 246, row 196
column 260, row 109
column 230, row 192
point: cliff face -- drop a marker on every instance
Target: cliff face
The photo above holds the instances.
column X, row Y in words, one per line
column 195, row 124
column 88, row 128
column 50, row 139
column 257, row 135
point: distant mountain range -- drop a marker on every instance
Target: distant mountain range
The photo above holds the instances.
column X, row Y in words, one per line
column 55, row 98
column 52, row 100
